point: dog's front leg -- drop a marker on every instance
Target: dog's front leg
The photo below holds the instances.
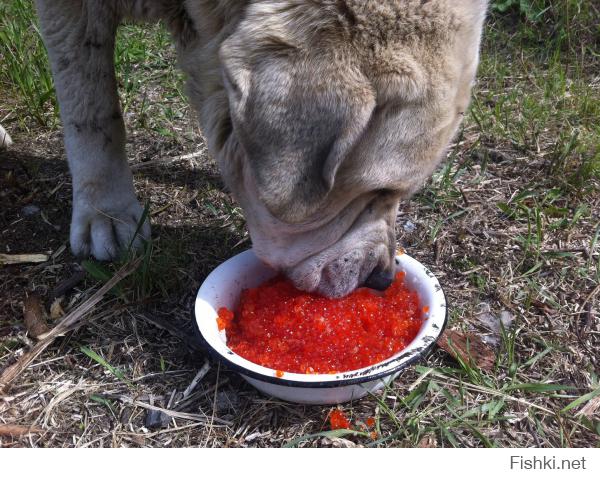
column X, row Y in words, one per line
column 80, row 36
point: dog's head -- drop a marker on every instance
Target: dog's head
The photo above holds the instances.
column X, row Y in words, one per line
column 336, row 111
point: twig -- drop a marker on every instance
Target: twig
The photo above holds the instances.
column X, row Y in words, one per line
column 590, row 297
column 199, row 376
column 590, row 408
column 169, row 327
column 67, row 285
column 437, row 251
column 23, row 258
column 158, row 162
column 19, row 430
column 162, row 432
column 213, row 418
column 183, row 404
column 587, row 254
column 69, row 322
column 171, row 413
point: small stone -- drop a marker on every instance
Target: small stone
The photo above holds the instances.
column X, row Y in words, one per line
column 227, row 401
column 125, row 416
column 30, row 210
column 409, row 227
column 156, row 419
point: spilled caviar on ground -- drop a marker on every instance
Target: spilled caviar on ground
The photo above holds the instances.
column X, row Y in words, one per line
column 338, row 420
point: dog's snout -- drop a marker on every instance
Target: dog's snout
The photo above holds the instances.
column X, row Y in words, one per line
column 379, row 279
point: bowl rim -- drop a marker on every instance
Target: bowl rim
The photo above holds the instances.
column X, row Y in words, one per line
column 359, row 375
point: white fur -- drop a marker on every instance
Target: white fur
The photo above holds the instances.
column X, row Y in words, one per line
column 5, row 140
column 385, row 95
column 79, row 37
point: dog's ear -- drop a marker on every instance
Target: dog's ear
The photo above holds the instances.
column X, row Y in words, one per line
column 296, row 120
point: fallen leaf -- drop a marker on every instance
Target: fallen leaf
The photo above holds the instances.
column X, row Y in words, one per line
column 336, row 442
column 494, row 323
column 71, row 321
column 545, row 308
column 469, row 348
column 19, row 430
column 428, row 441
column 34, row 316
column 56, row 310
column 590, row 409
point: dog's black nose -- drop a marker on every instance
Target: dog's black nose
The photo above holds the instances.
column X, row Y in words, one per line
column 379, row 279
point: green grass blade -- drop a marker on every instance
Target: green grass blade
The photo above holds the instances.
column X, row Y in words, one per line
column 581, row 400
column 140, row 224
column 538, row 387
column 100, row 360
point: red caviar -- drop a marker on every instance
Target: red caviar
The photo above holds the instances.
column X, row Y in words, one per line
column 283, row 328
column 224, row 319
column 338, row 420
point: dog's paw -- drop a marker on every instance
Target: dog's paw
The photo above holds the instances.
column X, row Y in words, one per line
column 108, row 230
column 5, row 140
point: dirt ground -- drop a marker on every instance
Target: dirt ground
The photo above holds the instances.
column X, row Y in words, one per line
column 78, row 402
column 513, row 243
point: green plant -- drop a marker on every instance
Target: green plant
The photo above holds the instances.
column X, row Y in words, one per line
column 24, row 68
column 530, row 8
column 101, row 361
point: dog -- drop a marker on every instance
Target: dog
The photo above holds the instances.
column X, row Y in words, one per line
column 322, row 115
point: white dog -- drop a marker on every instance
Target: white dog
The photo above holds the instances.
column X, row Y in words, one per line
column 322, row 115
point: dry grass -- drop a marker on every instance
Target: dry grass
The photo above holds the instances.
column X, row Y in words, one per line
column 510, row 225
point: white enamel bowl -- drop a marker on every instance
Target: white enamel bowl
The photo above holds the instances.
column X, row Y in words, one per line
column 222, row 288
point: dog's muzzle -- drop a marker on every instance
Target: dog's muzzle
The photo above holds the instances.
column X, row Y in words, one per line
column 379, row 279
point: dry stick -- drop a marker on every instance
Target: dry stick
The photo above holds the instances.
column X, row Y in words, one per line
column 590, row 408
column 155, row 162
column 199, row 376
column 170, row 413
column 214, row 407
column 168, row 430
column 172, row 329
column 590, row 297
column 23, row 258
column 19, row 430
column 183, row 404
column 69, row 322
column 67, row 285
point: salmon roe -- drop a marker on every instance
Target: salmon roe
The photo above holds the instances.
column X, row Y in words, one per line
column 283, row 328
column 338, row 420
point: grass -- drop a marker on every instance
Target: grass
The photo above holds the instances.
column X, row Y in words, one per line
column 143, row 57
column 549, row 101
column 25, row 73
column 101, row 361
column 509, row 223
